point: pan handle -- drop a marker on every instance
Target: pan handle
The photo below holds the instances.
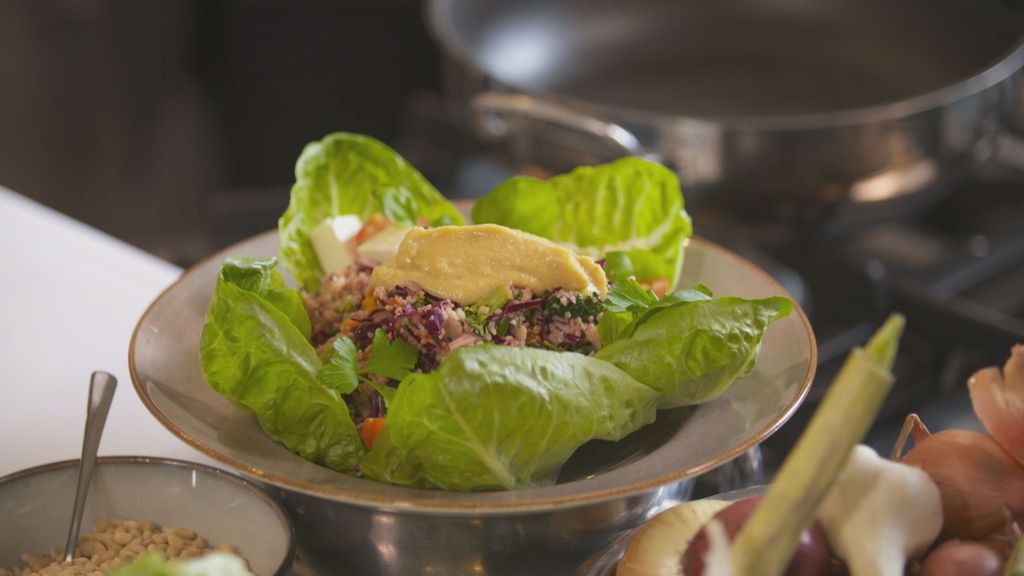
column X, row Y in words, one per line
column 491, row 110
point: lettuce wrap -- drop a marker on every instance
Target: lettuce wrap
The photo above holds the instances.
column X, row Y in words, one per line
column 488, row 417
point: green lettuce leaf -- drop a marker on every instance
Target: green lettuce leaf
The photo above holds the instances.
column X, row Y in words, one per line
column 498, row 418
column 629, row 304
column 254, row 351
column 691, row 347
column 260, row 278
column 352, row 174
column 630, row 209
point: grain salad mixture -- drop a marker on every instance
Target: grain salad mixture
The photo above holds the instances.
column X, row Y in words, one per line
column 348, row 306
column 113, row 543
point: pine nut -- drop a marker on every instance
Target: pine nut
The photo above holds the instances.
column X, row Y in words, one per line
column 115, row 542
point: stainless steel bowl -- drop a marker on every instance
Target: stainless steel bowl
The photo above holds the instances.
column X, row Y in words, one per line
column 348, row 524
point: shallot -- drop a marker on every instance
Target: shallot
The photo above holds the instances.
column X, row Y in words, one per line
column 998, row 400
column 959, row 558
column 982, row 486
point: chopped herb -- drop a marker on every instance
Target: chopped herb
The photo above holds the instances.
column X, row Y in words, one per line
column 495, row 299
column 478, row 315
column 477, row 321
column 502, row 326
column 577, row 306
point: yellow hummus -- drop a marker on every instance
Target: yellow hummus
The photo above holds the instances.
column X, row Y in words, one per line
column 465, row 263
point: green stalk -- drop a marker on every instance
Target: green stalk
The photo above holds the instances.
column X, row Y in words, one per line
column 1015, row 565
column 770, row 537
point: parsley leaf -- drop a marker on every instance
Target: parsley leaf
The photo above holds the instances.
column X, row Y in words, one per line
column 386, row 392
column 390, row 358
column 340, row 371
column 629, row 296
column 629, row 305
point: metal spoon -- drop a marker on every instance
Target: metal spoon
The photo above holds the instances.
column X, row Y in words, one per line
column 101, row 394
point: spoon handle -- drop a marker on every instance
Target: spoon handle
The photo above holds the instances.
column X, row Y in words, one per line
column 101, row 394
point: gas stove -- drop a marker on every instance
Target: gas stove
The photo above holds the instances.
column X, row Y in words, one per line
column 956, row 270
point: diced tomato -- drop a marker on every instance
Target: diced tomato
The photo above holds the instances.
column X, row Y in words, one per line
column 371, row 228
column 659, row 287
column 371, row 429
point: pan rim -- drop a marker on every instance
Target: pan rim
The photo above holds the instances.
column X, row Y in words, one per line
column 1005, row 65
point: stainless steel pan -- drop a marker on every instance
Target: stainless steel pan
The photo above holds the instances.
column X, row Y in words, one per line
column 781, row 107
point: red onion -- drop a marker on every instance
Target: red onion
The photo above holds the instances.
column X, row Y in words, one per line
column 810, row 559
column 522, row 305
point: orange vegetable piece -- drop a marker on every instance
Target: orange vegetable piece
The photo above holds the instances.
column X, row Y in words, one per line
column 376, row 224
column 371, row 429
column 370, row 302
column 659, row 286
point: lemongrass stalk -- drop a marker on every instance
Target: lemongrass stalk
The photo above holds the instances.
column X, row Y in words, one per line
column 1015, row 565
column 771, row 535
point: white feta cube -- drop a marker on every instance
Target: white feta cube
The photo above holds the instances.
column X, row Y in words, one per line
column 383, row 245
column 330, row 241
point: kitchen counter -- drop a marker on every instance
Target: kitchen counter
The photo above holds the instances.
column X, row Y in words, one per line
column 71, row 297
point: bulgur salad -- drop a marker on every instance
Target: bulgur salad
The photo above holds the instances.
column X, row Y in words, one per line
column 421, row 351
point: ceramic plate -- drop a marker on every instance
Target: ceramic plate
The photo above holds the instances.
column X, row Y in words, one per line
column 164, row 363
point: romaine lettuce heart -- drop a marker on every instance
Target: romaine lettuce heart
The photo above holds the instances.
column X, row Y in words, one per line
column 631, row 208
column 352, row 174
column 497, row 418
column 252, row 352
column 693, row 347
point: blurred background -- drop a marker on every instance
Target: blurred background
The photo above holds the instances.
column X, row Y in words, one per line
column 866, row 153
column 175, row 124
